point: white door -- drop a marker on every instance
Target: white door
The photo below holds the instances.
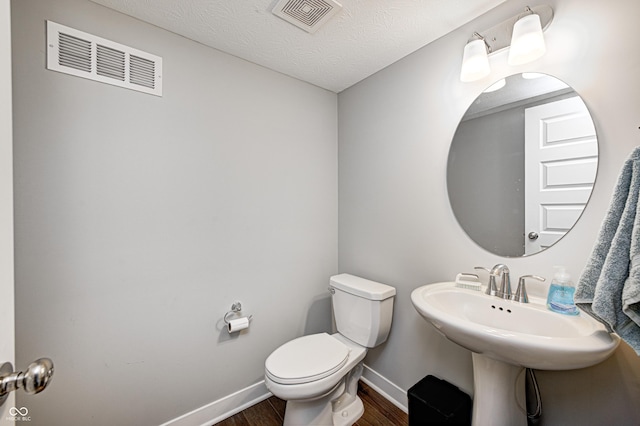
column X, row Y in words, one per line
column 561, row 152
column 7, row 350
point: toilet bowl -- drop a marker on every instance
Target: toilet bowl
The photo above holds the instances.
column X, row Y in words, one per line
column 318, row 374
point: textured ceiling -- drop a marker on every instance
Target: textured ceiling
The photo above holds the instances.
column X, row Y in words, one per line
column 364, row 37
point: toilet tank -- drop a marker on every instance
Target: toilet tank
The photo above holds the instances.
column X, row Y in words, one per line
column 363, row 309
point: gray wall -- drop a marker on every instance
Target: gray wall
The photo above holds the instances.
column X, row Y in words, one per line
column 140, row 220
column 396, row 224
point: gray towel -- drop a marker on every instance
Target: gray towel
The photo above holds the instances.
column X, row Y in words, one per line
column 609, row 287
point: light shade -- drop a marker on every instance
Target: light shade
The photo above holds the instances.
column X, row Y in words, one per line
column 527, row 43
column 475, row 62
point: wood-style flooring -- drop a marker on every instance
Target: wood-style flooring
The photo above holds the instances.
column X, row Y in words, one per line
column 378, row 411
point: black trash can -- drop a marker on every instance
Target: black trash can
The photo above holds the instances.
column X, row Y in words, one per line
column 433, row 401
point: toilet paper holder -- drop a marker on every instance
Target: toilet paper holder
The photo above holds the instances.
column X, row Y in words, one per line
column 235, row 308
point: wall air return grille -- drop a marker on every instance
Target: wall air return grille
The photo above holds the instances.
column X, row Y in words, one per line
column 84, row 55
column 142, row 71
column 74, row 53
column 110, row 62
column 307, row 14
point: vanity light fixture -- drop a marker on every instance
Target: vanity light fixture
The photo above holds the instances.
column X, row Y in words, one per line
column 522, row 33
column 475, row 61
column 527, row 41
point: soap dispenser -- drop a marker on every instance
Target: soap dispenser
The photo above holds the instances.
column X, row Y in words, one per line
column 561, row 291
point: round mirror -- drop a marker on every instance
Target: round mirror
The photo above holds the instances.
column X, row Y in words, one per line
column 522, row 164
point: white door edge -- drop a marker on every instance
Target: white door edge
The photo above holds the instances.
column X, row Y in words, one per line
column 7, row 313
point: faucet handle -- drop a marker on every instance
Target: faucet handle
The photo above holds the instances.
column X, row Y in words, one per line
column 492, row 288
column 521, row 292
column 491, row 285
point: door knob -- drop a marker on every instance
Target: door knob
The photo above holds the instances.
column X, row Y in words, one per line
column 533, row 236
column 33, row 380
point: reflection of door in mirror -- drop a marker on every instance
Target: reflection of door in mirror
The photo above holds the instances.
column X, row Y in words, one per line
column 562, row 159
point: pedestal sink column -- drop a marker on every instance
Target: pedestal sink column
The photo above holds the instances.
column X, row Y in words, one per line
column 498, row 393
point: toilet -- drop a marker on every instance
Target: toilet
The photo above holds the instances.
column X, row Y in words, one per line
column 318, row 374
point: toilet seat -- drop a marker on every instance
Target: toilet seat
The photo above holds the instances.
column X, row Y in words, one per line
column 306, row 359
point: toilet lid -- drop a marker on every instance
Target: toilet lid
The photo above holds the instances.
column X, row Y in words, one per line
column 306, row 359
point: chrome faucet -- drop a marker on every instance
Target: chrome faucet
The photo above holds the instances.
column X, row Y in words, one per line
column 502, row 271
column 505, row 284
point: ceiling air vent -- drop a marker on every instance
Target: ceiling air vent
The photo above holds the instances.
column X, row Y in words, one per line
column 307, row 14
column 84, row 55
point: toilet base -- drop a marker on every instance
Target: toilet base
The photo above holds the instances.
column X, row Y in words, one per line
column 340, row 407
column 316, row 412
column 350, row 414
column 319, row 412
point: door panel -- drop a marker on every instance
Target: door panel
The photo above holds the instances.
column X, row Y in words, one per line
column 561, row 152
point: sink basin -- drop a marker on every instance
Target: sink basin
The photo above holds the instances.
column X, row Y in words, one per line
column 525, row 334
column 507, row 336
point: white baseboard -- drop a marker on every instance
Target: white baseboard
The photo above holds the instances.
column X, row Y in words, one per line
column 392, row 392
column 223, row 408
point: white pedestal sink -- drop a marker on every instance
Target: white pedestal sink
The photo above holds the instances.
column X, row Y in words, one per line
column 507, row 336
